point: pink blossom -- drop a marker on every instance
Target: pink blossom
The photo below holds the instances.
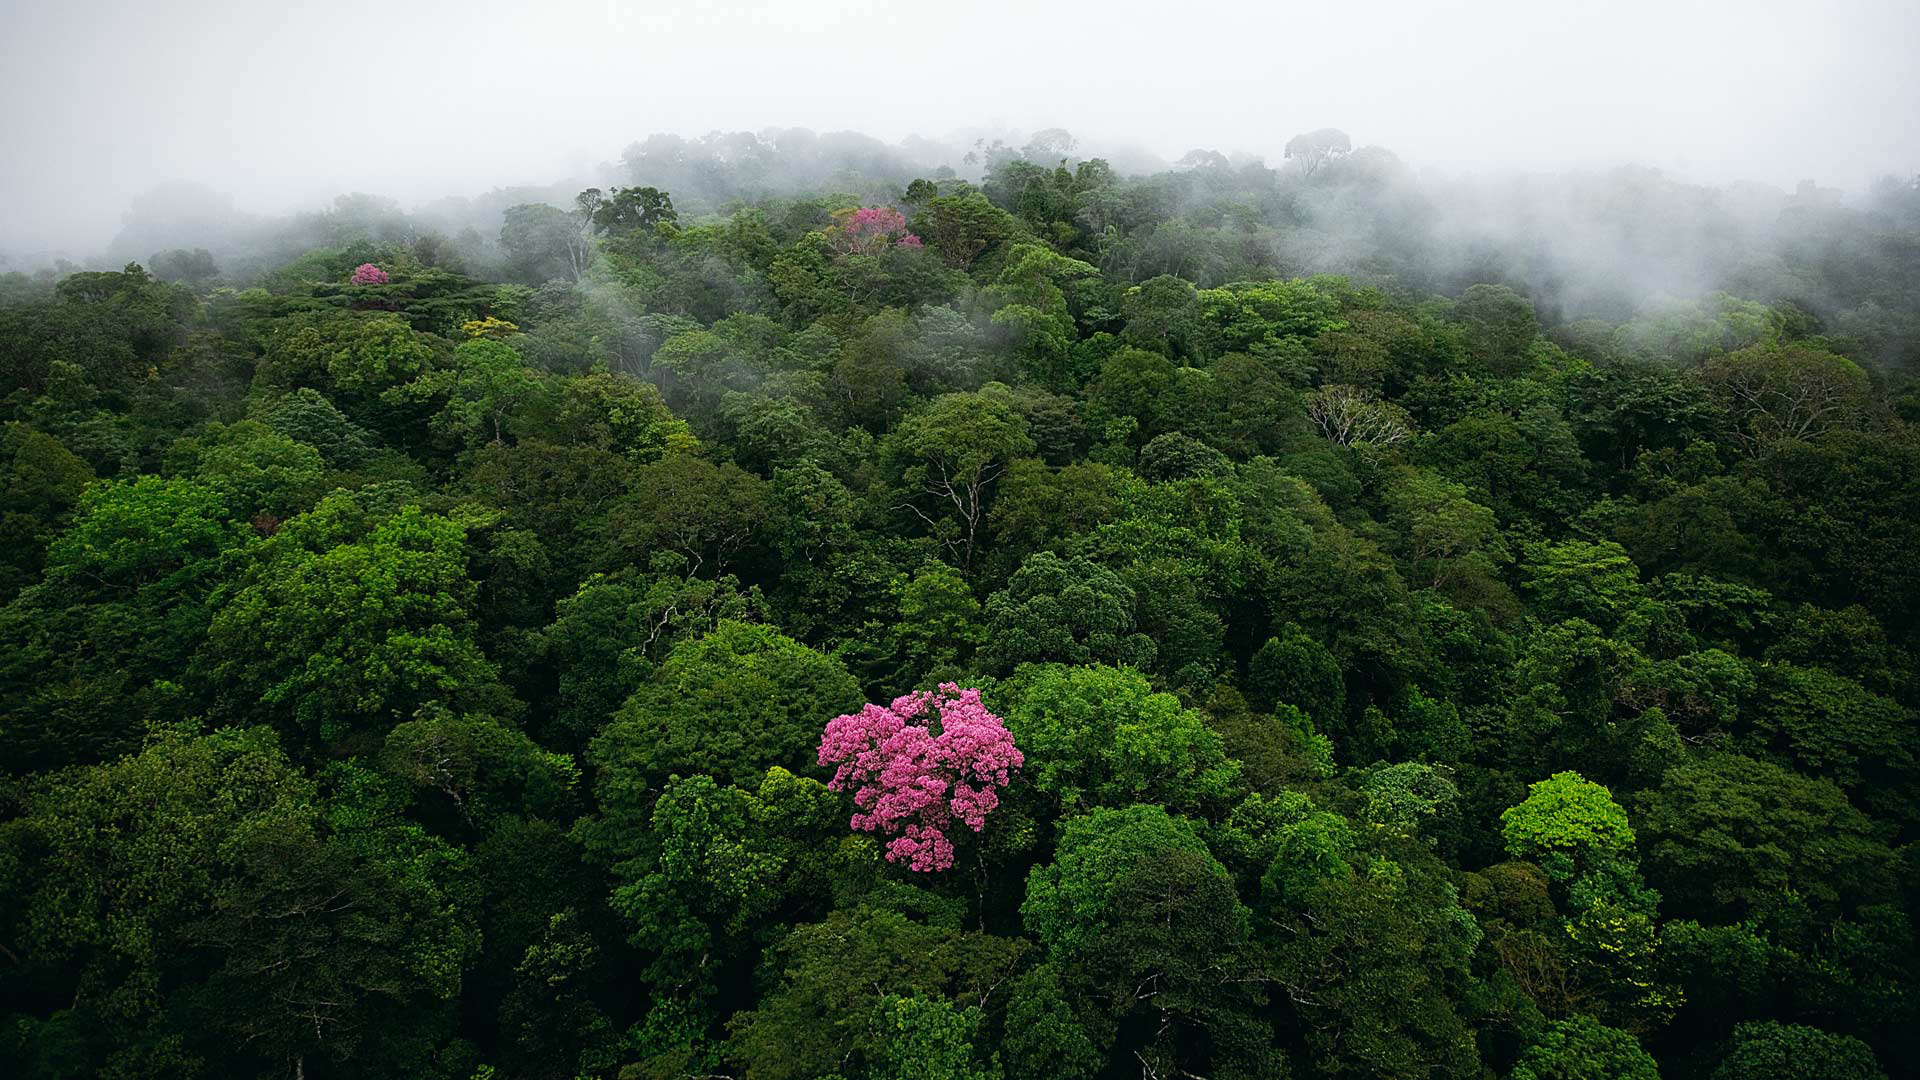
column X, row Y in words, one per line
column 369, row 274
column 910, row 783
column 910, row 241
column 869, row 229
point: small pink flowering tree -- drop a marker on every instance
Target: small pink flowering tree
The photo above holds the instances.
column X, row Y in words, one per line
column 917, row 766
column 369, row 274
column 869, row 230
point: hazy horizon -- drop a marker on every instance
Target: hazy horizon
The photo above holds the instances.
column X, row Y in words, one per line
column 283, row 108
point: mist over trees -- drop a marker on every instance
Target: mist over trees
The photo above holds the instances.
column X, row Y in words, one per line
column 1612, row 245
column 796, row 606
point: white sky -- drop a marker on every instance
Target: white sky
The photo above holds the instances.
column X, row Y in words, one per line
column 286, row 104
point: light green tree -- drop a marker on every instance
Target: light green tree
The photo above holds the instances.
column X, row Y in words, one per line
column 947, row 459
column 1100, row 736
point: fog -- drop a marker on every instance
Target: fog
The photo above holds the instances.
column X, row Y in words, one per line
column 279, row 106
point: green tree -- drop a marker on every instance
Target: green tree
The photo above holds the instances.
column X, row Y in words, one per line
column 477, row 770
column 1177, row 971
column 193, row 267
column 545, row 242
column 256, row 469
column 1099, row 736
column 1254, row 409
column 1133, row 385
column 1147, row 922
column 705, row 875
column 1582, row 840
column 685, row 504
column 625, row 211
column 1044, row 1035
column 948, row 458
column 330, row 948
column 1726, row 835
column 1776, row 393
column 965, row 229
column 100, row 645
column 566, row 496
column 939, row 625
column 358, row 355
column 1520, row 461
column 1163, row 314
column 556, row 1028
column 1063, row 610
column 214, row 908
column 1832, row 726
column 1257, row 317
column 105, row 869
column 728, row 705
column 485, row 384
column 1567, row 817
column 1449, row 540
column 1033, row 294
column 1070, row 902
column 1315, row 149
column 40, row 482
column 1172, row 458
column 832, row 978
column 1294, row 669
column 1766, row 1050
column 1579, row 580
column 929, row 1038
column 1500, row 327
column 348, row 624
column 1373, row 958
column 1037, row 507
column 616, row 413
column 611, row 635
column 307, row 416
column 1410, row 797
column 1581, row 1048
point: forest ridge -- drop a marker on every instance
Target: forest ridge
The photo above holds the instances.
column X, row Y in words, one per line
column 795, row 615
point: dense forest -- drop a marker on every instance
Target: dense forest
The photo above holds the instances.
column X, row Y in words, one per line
column 804, row 611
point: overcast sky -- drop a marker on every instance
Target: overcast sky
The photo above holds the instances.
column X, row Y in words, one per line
column 285, row 104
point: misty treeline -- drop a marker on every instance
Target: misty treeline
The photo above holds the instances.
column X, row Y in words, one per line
column 1601, row 244
column 1389, row 628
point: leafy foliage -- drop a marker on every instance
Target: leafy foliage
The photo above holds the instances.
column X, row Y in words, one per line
column 428, row 657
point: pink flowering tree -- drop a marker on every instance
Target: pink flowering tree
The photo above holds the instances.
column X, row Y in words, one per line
column 869, row 230
column 919, row 765
column 369, row 274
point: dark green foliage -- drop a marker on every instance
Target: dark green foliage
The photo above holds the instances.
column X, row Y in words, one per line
column 611, row 636
column 1770, row 1051
column 1459, row 669
column 306, row 416
column 727, row 705
column 1294, row 669
column 1390, row 1006
column 1064, row 610
column 40, row 481
column 308, row 934
column 707, row 513
column 1725, row 833
column 1178, row 457
column 815, row 1017
column 102, row 644
column 1582, row 1049
column 627, row 210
